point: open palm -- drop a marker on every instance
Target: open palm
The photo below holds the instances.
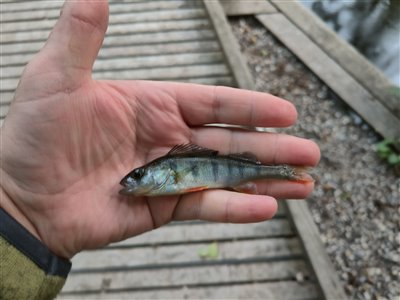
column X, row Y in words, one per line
column 68, row 140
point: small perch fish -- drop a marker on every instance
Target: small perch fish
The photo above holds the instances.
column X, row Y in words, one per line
column 191, row 168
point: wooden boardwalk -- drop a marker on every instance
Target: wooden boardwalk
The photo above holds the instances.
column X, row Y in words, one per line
column 159, row 40
column 191, row 41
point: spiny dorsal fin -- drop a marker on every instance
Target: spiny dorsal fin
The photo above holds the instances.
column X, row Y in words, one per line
column 245, row 156
column 191, row 150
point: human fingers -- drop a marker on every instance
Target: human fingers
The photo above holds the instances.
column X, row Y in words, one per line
column 225, row 206
column 75, row 40
column 202, row 104
column 269, row 148
column 281, row 189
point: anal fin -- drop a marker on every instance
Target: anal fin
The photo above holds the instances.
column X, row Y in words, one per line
column 247, row 188
column 196, row 189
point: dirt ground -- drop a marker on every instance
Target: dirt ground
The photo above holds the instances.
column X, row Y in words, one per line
column 356, row 203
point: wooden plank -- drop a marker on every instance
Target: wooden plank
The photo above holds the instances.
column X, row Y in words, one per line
column 181, row 73
column 328, row 280
column 3, row 111
column 179, row 277
column 29, row 15
column 229, row 45
column 31, row 47
column 121, row 17
column 6, row 98
column 246, row 7
column 281, row 290
column 116, row 30
column 154, row 26
column 168, row 60
column 138, row 62
column 220, row 80
column 334, row 76
column 197, row 46
column 210, row 232
column 370, row 77
column 154, row 5
column 170, row 73
column 129, row 40
column 127, row 19
column 182, row 254
column 115, row 6
column 21, row 6
column 30, row 25
column 129, row 51
column 15, row 6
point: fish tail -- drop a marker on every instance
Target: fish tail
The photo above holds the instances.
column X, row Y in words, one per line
column 302, row 175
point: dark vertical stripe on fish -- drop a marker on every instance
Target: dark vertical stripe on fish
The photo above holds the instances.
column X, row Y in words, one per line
column 240, row 170
column 215, row 169
column 194, row 169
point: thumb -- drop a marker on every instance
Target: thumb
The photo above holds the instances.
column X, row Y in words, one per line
column 75, row 40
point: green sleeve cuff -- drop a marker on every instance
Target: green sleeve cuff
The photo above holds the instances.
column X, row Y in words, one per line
column 28, row 270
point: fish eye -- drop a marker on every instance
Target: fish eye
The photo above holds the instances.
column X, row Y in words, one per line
column 138, row 173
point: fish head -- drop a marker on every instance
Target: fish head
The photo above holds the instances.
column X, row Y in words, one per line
column 143, row 181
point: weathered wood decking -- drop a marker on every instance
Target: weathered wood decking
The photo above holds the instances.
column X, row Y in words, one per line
column 191, row 41
column 158, row 40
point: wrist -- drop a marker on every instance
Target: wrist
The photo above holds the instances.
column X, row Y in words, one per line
column 13, row 210
column 20, row 245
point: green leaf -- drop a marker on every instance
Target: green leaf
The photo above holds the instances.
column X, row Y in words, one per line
column 394, row 159
column 211, row 252
column 384, row 146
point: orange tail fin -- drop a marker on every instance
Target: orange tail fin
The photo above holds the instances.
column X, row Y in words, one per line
column 301, row 175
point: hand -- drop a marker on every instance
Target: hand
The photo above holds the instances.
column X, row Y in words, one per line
column 68, row 140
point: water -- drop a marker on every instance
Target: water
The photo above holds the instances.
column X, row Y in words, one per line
column 372, row 26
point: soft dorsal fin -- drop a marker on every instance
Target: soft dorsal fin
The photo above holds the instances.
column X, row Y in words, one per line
column 191, row 150
column 245, row 156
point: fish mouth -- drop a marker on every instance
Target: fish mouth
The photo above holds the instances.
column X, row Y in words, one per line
column 123, row 181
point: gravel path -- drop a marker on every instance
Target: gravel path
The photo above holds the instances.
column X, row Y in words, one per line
column 356, row 203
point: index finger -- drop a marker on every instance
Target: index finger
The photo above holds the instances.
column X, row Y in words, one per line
column 202, row 104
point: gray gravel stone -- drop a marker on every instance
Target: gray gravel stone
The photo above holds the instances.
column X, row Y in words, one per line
column 356, row 203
